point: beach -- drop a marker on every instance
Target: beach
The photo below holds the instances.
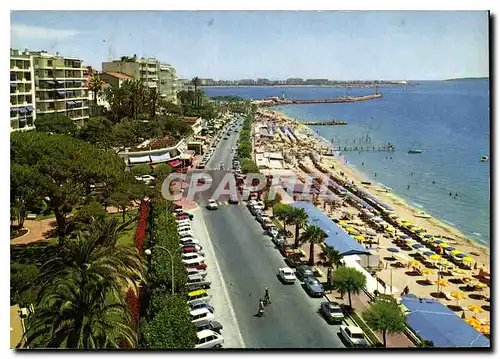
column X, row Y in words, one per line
column 398, row 277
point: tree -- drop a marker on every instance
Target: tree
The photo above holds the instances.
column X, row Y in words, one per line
column 153, row 101
column 386, row 317
column 24, row 191
column 98, row 131
column 55, row 123
column 249, row 166
column 161, row 171
column 66, row 168
column 196, row 82
column 127, row 193
column 284, row 213
column 95, row 86
column 348, row 280
column 141, row 170
column 299, row 217
column 74, row 312
column 90, row 212
column 312, row 235
column 268, row 202
column 331, row 258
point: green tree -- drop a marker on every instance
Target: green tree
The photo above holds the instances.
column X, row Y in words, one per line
column 162, row 171
column 22, row 283
column 312, row 235
column 74, row 312
column 153, row 101
column 272, row 202
column 284, row 213
column 95, row 86
column 55, row 123
column 249, row 166
column 90, row 212
column 348, row 280
column 126, row 133
column 196, row 82
column 98, row 131
column 66, row 168
column 24, row 191
column 386, row 317
column 331, row 258
column 299, row 217
column 127, row 194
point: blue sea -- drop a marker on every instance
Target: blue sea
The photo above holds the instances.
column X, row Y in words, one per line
column 448, row 120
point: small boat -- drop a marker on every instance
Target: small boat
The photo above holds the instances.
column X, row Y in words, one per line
column 422, row 215
column 415, row 151
column 484, row 159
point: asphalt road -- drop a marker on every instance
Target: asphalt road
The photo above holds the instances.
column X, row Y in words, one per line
column 249, row 261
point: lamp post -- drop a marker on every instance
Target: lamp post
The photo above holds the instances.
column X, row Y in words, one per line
column 149, row 252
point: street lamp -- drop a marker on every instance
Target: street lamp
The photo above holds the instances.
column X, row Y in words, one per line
column 149, row 252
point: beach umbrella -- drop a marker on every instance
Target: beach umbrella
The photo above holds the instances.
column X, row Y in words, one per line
column 475, row 308
column 477, row 284
column 474, row 322
column 360, row 238
column 434, row 257
column 342, row 223
column 438, row 241
column 393, row 216
column 426, row 272
column 345, row 225
column 400, row 257
column 467, row 259
column 443, row 283
column 410, row 226
column 371, row 232
column 402, row 235
column 393, row 250
column 414, row 263
column 350, row 230
column 420, row 230
column 449, row 248
column 428, row 236
column 377, row 219
column 461, row 255
column 443, row 245
column 484, row 329
column 390, row 229
column 455, row 252
column 417, row 245
column 369, row 215
column 458, row 295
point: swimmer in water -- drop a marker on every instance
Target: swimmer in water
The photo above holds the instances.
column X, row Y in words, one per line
column 408, row 186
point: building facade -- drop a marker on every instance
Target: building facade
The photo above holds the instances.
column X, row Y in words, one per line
column 41, row 83
column 149, row 71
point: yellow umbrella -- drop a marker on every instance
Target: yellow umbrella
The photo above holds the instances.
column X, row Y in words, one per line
column 443, row 283
column 475, row 308
column 390, row 229
column 434, row 257
column 472, row 321
column 426, row 272
column 414, row 263
column 485, row 329
column 478, row 284
column 360, row 237
column 443, row 245
column 467, row 259
column 350, row 230
column 455, row 252
column 342, row 222
column 458, row 295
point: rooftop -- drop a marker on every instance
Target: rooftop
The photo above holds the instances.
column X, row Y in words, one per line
column 118, row 75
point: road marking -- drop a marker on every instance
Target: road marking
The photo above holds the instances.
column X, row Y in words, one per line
column 219, row 272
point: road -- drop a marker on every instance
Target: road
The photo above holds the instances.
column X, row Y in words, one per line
column 249, row 261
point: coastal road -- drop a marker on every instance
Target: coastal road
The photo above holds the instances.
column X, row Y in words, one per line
column 248, row 262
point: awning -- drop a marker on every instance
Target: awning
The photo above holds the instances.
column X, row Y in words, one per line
column 60, row 82
column 29, row 108
column 61, row 92
column 139, row 159
column 70, row 102
column 15, row 109
column 160, row 157
column 13, row 85
column 185, row 156
column 23, row 110
column 51, row 82
column 78, row 101
column 174, row 163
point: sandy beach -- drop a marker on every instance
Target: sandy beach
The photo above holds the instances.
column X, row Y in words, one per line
column 399, row 277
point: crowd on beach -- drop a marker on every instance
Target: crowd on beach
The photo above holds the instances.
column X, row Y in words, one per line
column 416, row 254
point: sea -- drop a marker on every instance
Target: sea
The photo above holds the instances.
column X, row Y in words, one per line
column 448, row 120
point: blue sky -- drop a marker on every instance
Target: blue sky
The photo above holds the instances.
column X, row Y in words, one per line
column 237, row 44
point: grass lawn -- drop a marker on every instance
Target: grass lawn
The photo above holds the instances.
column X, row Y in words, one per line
column 127, row 236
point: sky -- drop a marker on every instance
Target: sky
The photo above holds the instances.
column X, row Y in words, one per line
column 359, row 45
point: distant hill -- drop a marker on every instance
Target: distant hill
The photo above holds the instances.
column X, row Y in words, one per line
column 468, row 78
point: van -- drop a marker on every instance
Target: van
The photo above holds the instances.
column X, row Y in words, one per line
column 198, row 294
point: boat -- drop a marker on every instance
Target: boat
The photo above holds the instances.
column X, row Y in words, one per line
column 484, row 159
column 415, row 151
column 422, row 214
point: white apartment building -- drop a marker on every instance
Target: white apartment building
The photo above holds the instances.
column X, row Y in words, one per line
column 41, row 83
column 151, row 73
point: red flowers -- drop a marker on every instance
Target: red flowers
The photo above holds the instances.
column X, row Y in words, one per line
column 142, row 224
column 133, row 305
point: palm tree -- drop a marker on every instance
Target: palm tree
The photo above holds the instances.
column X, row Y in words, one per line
column 298, row 217
column 196, row 82
column 95, row 85
column 76, row 312
column 94, row 253
column 348, row 280
column 153, row 101
column 312, row 235
column 331, row 258
column 272, row 202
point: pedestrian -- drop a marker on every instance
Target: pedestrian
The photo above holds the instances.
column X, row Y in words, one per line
column 408, row 186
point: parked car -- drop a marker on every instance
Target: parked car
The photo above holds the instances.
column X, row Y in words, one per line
column 200, row 303
column 195, row 246
column 182, row 221
column 209, row 324
column 212, row 204
column 188, row 240
column 201, row 314
column 268, row 223
column 262, row 217
column 314, row 287
column 197, row 282
column 208, row 339
column 194, row 260
column 184, row 227
column 304, row 271
column 295, row 260
column 286, row 275
column 288, row 249
column 191, row 255
column 273, row 231
column 354, row 336
column 192, row 249
column 332, row 312
column 233, row 200
column 201, row 272
column 200, row 294
column 181, row 212
column 278, row 241
column 185, row 233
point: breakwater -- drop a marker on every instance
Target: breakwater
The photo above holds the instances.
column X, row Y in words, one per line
column 278, row 102
column 327, row 123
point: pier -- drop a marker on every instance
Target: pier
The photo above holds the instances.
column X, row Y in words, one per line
column 379, row 148
column 277, row 101
column 327, row 123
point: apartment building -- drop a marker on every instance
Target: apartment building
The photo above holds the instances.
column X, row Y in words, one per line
column 41, row 83
column 22, row 91
column 149, row 71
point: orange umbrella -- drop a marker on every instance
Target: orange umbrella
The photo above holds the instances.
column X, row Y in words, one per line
column 443, row 282
column 458, row 295
column 475, row 308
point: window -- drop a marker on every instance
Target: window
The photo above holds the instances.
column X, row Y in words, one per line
column 49, row 62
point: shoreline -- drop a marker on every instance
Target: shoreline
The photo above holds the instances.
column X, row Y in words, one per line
column 326, row 86
column 402, row 207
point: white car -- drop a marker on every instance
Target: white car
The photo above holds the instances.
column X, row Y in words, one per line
column 287, row 275
column 145, row 178
column 208, row 339
column 185, row 233
column 182, row 221
column 188, row 239
column 353, row 335
column 193, row 260
column 273, row 231
column 184, row 227
column 192, row 255
column 195, row 271
column 201, row 314
column 212, row 204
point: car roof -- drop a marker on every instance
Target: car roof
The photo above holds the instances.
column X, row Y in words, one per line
column 286, row 269
column 195, row 276
column 354, row 330
column 197, row 292
column 199, row 311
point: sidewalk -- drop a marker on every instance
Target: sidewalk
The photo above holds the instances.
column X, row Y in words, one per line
column 360, row 303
